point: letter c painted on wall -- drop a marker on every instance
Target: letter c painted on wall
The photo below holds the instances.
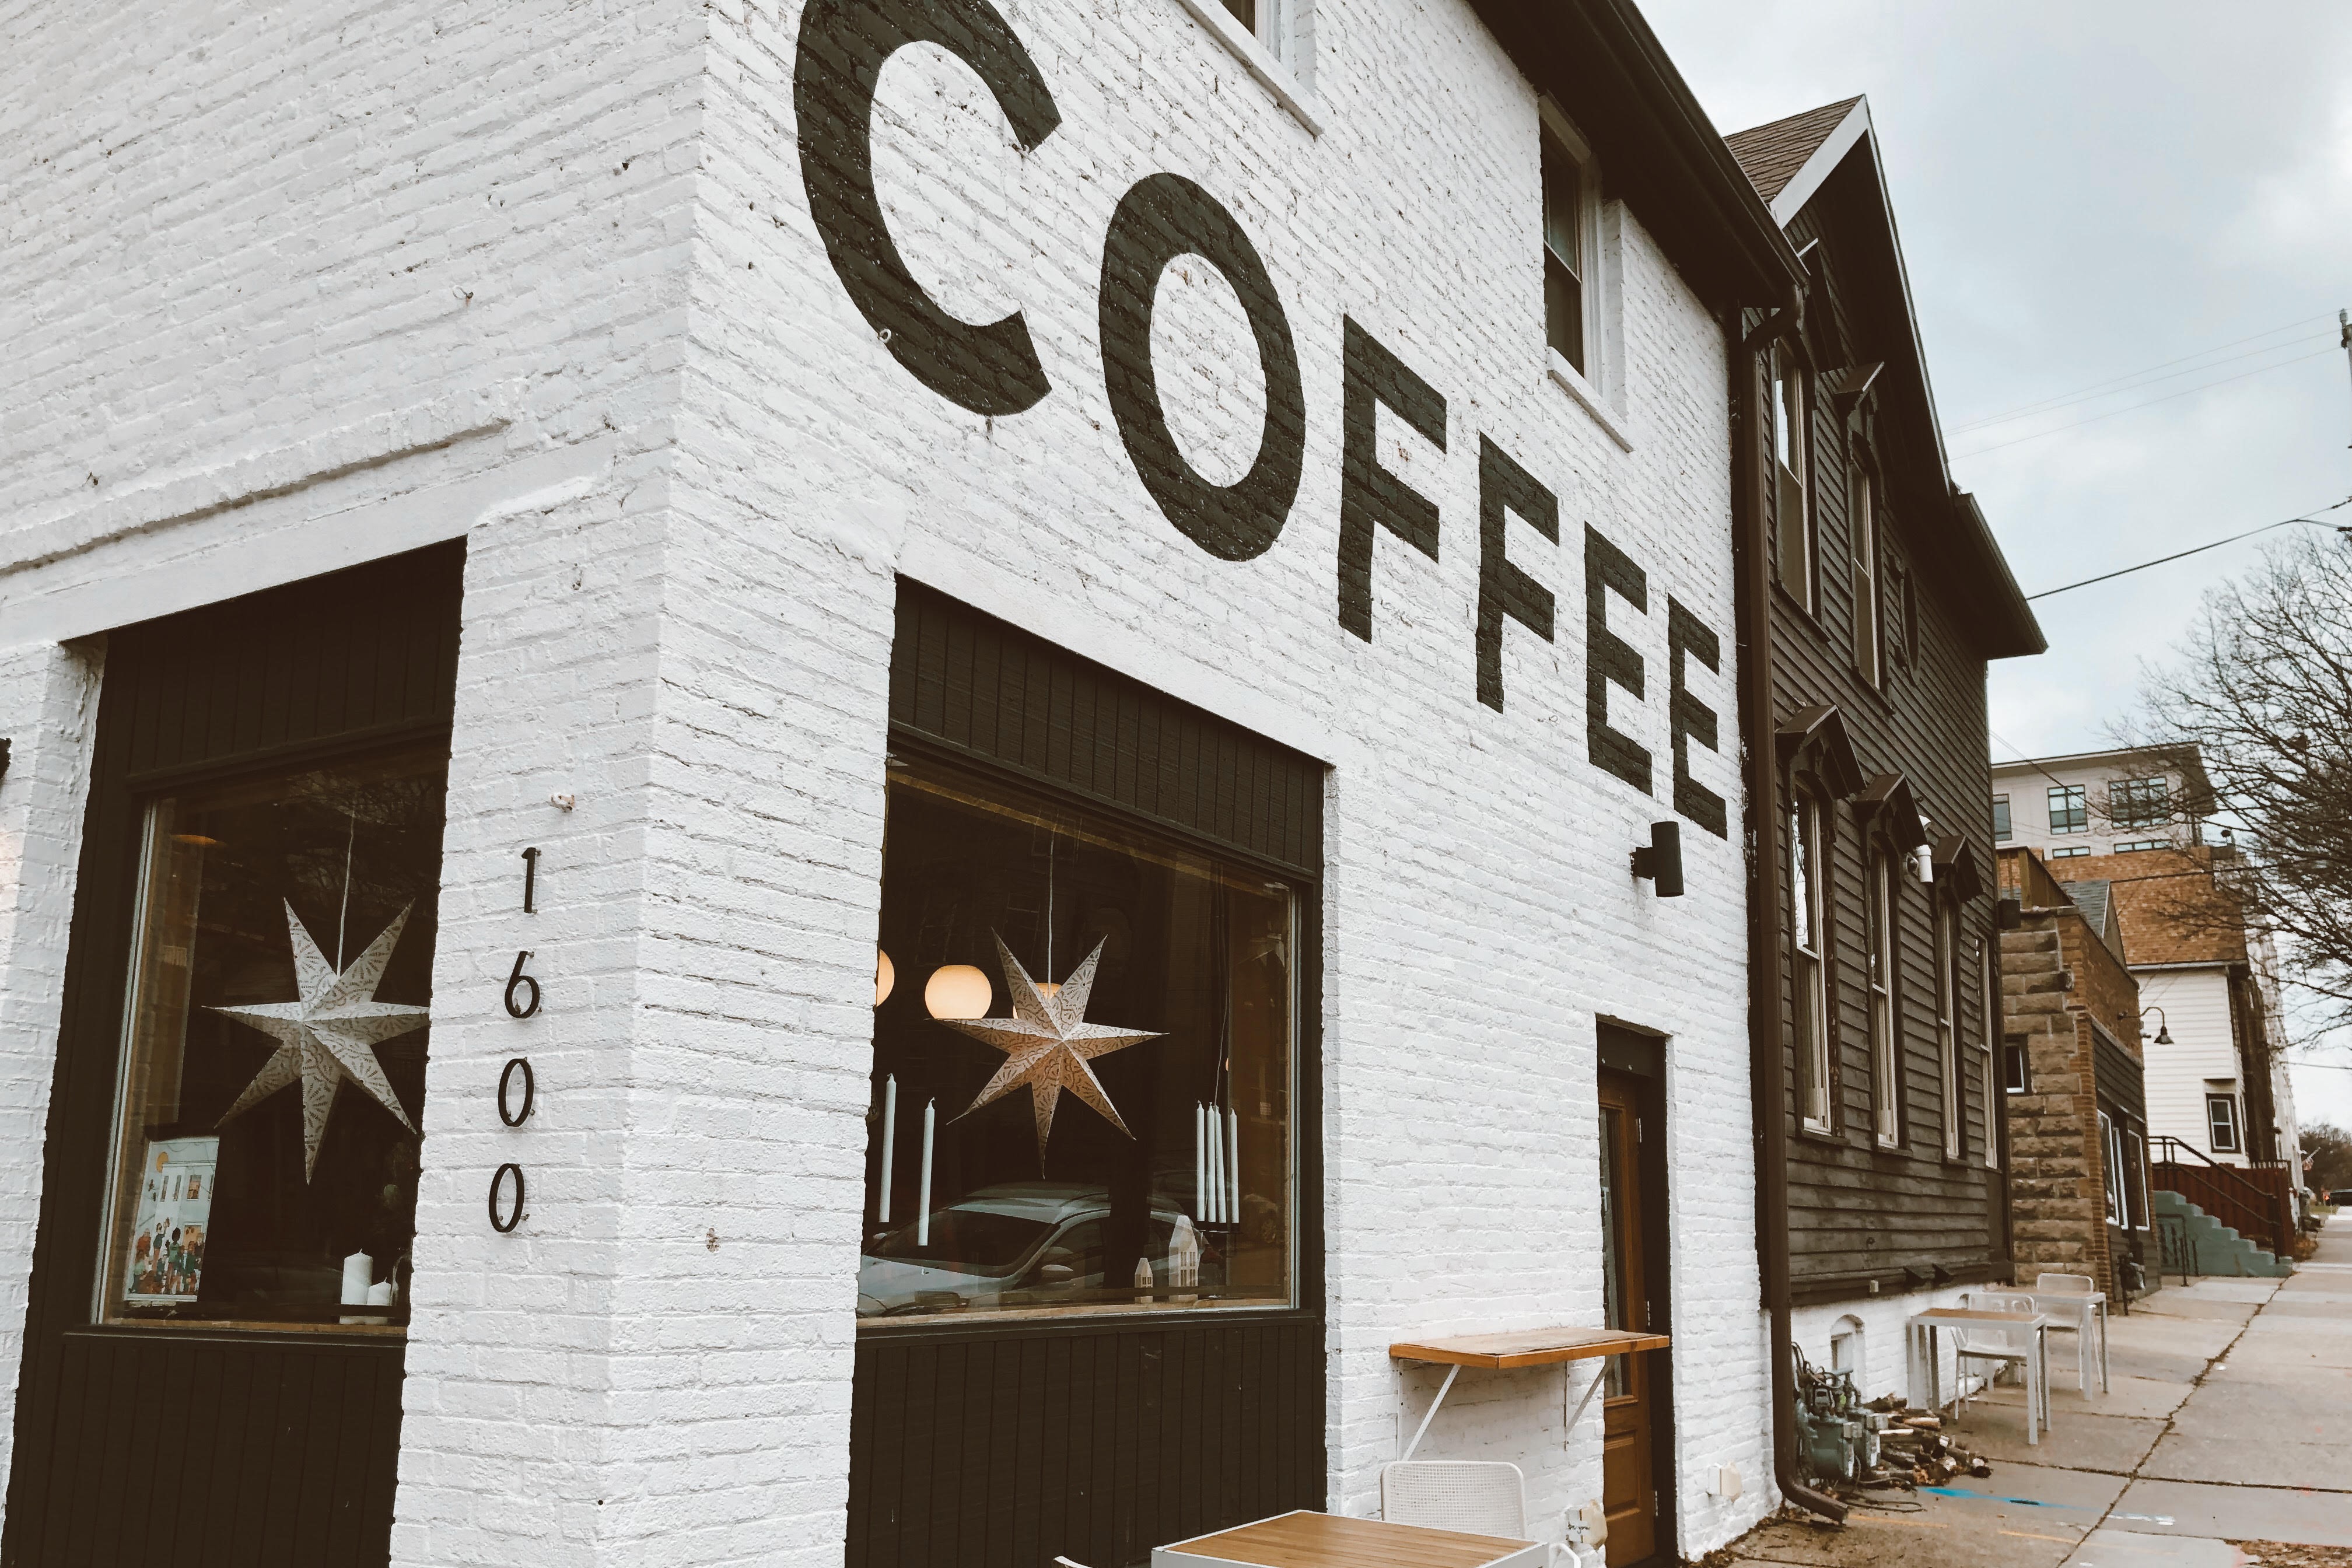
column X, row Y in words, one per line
column 1162, row 218
column 991, row 369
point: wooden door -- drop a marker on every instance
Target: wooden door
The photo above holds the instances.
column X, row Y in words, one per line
column 1629, row 1481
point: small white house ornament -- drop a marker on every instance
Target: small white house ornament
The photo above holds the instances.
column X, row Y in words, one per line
column 329, row 1034
column 1047, row 1044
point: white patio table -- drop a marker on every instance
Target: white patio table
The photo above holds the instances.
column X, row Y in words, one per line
column 1307, row 1539
column 1924, row 1368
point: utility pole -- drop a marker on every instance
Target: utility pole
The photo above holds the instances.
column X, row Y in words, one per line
column 2344, row 321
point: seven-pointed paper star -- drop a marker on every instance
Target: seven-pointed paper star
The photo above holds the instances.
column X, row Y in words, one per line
column 328, row 1034
column 1047, row 1044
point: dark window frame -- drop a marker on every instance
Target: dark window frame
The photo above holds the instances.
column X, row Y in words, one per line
column 2230, row 1120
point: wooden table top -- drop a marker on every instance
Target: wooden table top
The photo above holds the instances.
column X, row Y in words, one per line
column 1973, row 1315
column 1326, row 1541
column 1526, row 1347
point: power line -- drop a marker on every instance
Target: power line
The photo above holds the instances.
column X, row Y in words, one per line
column 2059, row 397
column 2051, row 405
column 2167, row 398
column 2200, row 550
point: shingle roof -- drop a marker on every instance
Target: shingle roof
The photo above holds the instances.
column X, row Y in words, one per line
column 2098, row 911
column 2166, row 903
column 1773, row 153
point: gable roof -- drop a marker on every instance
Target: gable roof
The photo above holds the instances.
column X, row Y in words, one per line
column 1788, row 161
column 1773, row 154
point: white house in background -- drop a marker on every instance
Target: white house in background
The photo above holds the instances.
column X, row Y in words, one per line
column 2129, row 824
column 2101, row 802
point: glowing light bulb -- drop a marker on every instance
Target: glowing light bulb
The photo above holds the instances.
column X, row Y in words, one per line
column 957, row 991
column 885, row 977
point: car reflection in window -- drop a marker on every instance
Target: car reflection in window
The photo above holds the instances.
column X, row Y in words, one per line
column 1018, row 1244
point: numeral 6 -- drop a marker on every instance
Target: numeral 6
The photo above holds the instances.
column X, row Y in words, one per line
column 516, row 980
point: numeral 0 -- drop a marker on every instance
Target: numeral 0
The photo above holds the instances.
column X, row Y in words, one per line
column 529, row 1092
column 514, row 1216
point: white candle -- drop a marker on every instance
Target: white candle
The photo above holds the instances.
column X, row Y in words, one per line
column 1200, row 1161
column 379, row 1295
column 1234, row 1159
column 1216, row 1167
column 359, row 1273
column 889, row 1141
column 923, row 1214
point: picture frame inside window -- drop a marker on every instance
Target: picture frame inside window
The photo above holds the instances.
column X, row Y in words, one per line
column 1083, row 1096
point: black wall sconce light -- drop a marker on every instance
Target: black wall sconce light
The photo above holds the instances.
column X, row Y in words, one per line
column 1661, row 859
column 4, row 759
column 2163, row 1025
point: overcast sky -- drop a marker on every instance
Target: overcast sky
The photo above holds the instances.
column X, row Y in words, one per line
column 2086, row 191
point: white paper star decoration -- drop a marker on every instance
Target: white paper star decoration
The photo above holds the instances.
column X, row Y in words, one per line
column 1047, row 1045
column 328, row 1034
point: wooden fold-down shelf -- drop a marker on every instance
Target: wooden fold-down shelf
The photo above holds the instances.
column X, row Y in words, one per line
column 1528, row 1347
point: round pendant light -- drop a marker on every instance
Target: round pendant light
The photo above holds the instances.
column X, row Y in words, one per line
column 884, row 977
column 957, row 991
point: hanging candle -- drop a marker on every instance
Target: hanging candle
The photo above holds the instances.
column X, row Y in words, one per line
column 889, row 1142
column 923, row 1214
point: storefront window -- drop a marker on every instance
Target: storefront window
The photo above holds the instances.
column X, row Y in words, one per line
column 1083, row 1049
column 273, row 1064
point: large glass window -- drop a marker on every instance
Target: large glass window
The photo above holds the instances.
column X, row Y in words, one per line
column 2140, row 803
column 1989, row 1015
column 1885, row 1057
column 273, row 1063
column 2069, row 809
column 1812, row 995
column 2001, row 828
column 1083, row 1065
column 2111, row 1153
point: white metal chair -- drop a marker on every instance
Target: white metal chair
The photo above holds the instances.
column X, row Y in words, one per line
column 2008, row 1344
column 1477, row 1497
column 2078, row 1318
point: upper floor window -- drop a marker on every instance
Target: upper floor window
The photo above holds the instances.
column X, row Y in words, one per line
column 2222, row 1123
column 1792, row 501
column 2140, row 803
column 2139, row 844
column 2016, row 1075
column 1862, row 510
column 1812, row 991
column 2001, row 828
column 2069, row 811
column 2070, row 852
column 1572, row 192
column 1885, row 1057
column 1268, row 23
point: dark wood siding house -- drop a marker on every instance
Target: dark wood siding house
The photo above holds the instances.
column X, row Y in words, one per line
column 1878, row 595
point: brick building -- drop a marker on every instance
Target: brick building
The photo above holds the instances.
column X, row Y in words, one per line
column 2072, row 1072
column 751, row 564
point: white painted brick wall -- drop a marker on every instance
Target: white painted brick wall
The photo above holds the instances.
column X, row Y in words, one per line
column 48, row 712
column 213, row 242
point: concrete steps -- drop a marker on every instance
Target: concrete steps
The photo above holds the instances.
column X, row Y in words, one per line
column 2215, row 1247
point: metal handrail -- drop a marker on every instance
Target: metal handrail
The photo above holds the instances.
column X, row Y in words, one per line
column 2250, row 1211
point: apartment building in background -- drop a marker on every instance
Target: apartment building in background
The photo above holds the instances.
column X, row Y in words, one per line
column 2101, row 802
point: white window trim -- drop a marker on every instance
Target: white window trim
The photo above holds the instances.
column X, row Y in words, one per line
column 1812, row 1010
column 1278, row 79
column 1947, row 1028
column 2110, row 1157
column 1602, row 394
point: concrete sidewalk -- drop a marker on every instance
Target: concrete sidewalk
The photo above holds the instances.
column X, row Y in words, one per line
column 2230, row 1420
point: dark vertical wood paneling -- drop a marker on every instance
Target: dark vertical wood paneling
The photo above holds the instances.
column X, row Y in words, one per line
column 193, row 1447
column 999, row 1446
column 1857, row 1211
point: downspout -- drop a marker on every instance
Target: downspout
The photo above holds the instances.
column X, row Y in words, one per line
column 1768, row 1084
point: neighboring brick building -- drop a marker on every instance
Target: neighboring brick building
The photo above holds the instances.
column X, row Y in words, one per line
column 592, row 520
column 2078, row 1181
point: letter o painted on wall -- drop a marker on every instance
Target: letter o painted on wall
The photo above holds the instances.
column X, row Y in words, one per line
column 1160, row 218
